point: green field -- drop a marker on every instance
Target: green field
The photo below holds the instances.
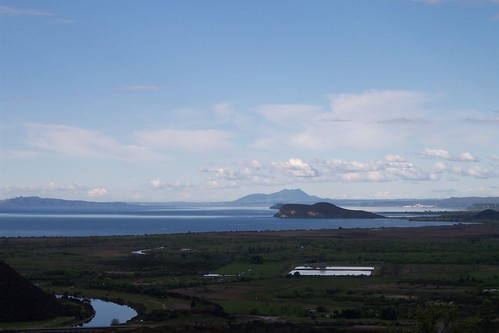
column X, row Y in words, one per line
column 423, row 278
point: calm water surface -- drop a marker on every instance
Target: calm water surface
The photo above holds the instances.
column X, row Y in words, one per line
column 175, row 220
column 105, row 312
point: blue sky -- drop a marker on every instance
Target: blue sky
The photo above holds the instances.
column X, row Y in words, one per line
column 213, row 100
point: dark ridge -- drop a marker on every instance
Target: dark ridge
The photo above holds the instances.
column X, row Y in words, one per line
column 20, row 300
column 488, row 214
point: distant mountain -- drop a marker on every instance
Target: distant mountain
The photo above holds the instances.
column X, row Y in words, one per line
column 322, row 210
column 467, row 202
column 37, row 204
column 20, row 300
column 284, row 196
column 277, row 199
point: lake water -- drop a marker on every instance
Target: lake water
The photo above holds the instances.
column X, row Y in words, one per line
column 105, row 312
column 176, row 220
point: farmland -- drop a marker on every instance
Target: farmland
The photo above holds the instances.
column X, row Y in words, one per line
column 422, row 276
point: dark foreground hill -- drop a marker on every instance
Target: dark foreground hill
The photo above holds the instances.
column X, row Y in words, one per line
column 20, row 300
column 322, row 210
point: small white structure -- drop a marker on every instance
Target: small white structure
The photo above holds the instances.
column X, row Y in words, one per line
column 332, row 271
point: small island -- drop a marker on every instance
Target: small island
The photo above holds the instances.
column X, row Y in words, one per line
column 322, row 210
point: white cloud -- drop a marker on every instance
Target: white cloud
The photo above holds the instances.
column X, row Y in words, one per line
column 97, row 192
column 390, row 168
column 475, row 172
column 444, row 154
column 53, row 187
column 80, row 142
column 438, row 153
column 157, row 183
column 467, row 157
column 176, row 184
column 200, row 141
column 255, row 164
column 295, row 167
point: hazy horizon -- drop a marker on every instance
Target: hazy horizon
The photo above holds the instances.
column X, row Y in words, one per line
column 145, row 101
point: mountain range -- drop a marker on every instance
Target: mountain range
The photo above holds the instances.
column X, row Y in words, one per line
column 277, row 199
column 298, row 196
column 38, row 204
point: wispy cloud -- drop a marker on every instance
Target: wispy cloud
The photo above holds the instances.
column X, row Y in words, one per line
column 53, row 189
column 143, row 88
column 372, row 119
column 200, row 141
column 81, row 142
column 431, row 2
column 62, row 21
column 53, row 18
column 289, row 114
column 434, row 2
column 244, row 173
column 5, row 10
column 390, row 168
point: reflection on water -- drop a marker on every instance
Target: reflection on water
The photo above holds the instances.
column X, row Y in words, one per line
column 177, row 221
column 332, row 271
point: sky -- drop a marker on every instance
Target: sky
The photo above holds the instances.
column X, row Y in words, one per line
column 213, row 100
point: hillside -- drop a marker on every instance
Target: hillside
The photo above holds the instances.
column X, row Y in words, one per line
column 20, row 300
column 322, row 210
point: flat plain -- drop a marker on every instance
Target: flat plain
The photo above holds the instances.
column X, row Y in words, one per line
column 423, row 277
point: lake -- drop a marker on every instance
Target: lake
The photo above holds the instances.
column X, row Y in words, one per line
column 105, row 312
column 176, row 220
